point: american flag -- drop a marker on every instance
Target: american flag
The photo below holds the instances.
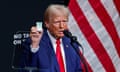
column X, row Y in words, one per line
column 96, row 23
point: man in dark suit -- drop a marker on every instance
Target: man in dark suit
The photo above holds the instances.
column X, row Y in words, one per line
column 41, row 50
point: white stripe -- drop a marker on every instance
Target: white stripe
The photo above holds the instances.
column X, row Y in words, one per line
column 110, row 7
column 101, row 33
column 96, row 67
column 88, row 51
column 112, row 11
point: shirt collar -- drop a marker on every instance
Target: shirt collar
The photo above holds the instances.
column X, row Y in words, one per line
column 52, row 38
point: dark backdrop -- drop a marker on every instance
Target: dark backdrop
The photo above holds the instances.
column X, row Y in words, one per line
column 18, row 15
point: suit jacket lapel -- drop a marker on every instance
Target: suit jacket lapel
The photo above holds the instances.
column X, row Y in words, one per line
column 50, row 52
column 66, row 44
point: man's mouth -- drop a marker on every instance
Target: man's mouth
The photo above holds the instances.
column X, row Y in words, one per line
column 61, row 31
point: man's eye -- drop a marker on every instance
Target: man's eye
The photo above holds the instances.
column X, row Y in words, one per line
column 64, row 20
column 33, row 32
column 57, row 22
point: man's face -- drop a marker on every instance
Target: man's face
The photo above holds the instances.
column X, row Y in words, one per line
column 56, row 25
column 35, row 35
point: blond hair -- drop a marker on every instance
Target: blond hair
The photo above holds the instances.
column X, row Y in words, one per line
column 52, row 9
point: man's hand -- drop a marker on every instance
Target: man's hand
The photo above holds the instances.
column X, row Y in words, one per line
column 35, row 36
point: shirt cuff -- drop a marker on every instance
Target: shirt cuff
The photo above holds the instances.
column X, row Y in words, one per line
column 34, row 50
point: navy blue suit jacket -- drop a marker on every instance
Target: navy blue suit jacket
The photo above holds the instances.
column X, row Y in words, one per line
column 45, row 60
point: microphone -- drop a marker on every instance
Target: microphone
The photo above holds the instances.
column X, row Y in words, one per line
column 69, row 35
column 73, row 38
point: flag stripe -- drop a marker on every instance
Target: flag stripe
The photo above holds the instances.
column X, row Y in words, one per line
column 107, row 22
column 117, row 4
column 89, row 68
column 85, row 64
column 110, row 8
column 112, row 11
column 100, row 31
column 88, row 52
column 84, row 25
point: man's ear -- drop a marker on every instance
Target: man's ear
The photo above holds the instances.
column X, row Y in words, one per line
column 46, row 24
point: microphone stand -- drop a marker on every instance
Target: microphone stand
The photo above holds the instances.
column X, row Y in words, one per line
column 74, row 40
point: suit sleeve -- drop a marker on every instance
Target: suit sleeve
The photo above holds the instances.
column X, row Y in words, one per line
column 78, row 65
column 78, row 58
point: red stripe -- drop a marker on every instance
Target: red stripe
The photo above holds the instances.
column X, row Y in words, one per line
column 71, row 7
column 91, row 36
column 107, row 22
column 117, row 4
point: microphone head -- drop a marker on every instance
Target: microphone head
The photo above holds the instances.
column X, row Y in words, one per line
column 67, row 33
column 73, row 38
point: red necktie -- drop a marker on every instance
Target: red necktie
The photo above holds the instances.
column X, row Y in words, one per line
column 59, row 56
